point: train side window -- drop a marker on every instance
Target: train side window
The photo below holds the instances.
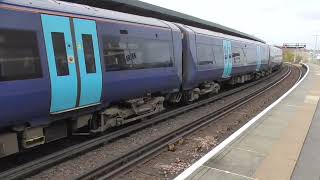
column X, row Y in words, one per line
column 19, row 55
column 146, row 53
column 89, row 53
column 205, row 54
column 115, row 53
column 218, row 54
column 237, row 55
column 251, row 55
column 60, row 53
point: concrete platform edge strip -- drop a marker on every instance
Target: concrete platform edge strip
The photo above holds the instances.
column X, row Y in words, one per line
column 231, row 138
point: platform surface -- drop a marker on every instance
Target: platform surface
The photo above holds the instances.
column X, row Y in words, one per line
column 270, row 148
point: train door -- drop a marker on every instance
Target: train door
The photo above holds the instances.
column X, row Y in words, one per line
column 74, row 62
column 258, row 58
column 89, row 61
column 227, row 59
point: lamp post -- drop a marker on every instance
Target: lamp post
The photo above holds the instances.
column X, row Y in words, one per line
column 295, row 53
column 315, row 48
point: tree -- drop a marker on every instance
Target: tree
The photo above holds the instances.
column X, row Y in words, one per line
column 299, row 58
column 288, row 56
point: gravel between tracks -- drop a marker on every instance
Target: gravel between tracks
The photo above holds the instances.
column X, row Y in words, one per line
column 169, row 163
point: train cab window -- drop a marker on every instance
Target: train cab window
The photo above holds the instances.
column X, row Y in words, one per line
column 116, row 54
column 205, row 54
column 89, row 53
column 150, row 53
column 60, row 53
column 19, row 55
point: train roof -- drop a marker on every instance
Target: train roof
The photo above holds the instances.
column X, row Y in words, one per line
column 79, row 9
column 146, row 9
column 218, row 34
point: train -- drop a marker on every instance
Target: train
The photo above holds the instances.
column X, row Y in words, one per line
column 70, row 69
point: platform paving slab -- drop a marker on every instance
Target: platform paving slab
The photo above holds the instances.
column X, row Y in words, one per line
column 208, row 173
column 308, row 164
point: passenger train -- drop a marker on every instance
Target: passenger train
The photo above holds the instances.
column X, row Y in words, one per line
column 73, row 69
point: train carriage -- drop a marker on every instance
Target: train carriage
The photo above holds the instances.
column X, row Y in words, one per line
column 68, row 62
column 210, row 58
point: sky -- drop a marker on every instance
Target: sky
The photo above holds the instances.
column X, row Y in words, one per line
column 275, row 21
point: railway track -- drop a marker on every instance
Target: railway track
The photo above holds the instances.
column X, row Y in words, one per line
column 122, row 164
column 137, row 155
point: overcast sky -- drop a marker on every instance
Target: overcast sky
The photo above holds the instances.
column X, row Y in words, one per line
column 275, row 21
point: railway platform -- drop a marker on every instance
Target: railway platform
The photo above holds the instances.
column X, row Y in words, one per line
column 282, row 142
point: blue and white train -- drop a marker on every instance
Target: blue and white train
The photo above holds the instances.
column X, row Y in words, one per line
column 68, row 68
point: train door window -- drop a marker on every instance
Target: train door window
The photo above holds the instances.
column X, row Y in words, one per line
column 116, row 53
column 147, row 53
column 205, row 54
column 89, row 53
column 19, row 55
column 60, row 53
